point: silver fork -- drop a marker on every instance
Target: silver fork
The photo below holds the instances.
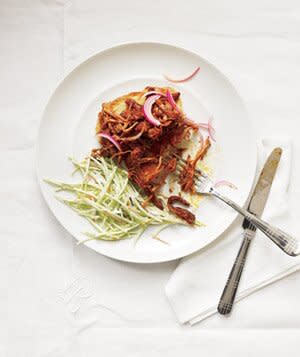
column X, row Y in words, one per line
column 205, row 185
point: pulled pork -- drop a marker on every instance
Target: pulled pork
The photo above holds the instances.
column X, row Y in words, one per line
column 186, row 178
column 146, row 150
column 181, row 212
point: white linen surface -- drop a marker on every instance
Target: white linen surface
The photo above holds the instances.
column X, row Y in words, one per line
column 57, row 299
column 196, row 285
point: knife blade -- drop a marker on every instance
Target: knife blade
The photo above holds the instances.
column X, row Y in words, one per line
column 256, row 206
column 263, row 186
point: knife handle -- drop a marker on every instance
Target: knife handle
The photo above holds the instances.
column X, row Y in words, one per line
column 230, row 289
column 284, row 241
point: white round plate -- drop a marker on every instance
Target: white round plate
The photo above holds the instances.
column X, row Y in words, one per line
column 68, row 126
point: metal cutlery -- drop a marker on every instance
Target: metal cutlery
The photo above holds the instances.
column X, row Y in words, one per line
column 284, row 241
column 256, row 206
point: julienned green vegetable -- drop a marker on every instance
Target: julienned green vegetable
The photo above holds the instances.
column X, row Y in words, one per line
column 110, row 202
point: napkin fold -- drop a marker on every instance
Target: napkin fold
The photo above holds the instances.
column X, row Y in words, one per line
column 195, row 287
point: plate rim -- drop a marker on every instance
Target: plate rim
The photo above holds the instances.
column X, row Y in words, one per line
column 104, row 50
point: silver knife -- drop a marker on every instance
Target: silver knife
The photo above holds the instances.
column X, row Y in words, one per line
column 256, row 206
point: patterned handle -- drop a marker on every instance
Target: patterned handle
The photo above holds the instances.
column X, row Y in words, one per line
column 284, row 241
column 230, row 289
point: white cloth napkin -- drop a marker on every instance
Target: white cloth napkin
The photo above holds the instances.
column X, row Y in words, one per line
column 195, row 287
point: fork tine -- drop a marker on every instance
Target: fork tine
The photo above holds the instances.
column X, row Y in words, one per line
column 183, row 162
column 201, row 179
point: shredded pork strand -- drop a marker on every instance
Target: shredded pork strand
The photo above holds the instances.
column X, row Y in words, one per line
column 186, row 177
column 181, row 212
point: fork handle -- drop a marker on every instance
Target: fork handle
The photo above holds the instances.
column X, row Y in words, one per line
column 284, row 241
column 230, row 289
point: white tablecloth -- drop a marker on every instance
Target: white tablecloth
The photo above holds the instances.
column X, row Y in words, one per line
column 57, row 299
